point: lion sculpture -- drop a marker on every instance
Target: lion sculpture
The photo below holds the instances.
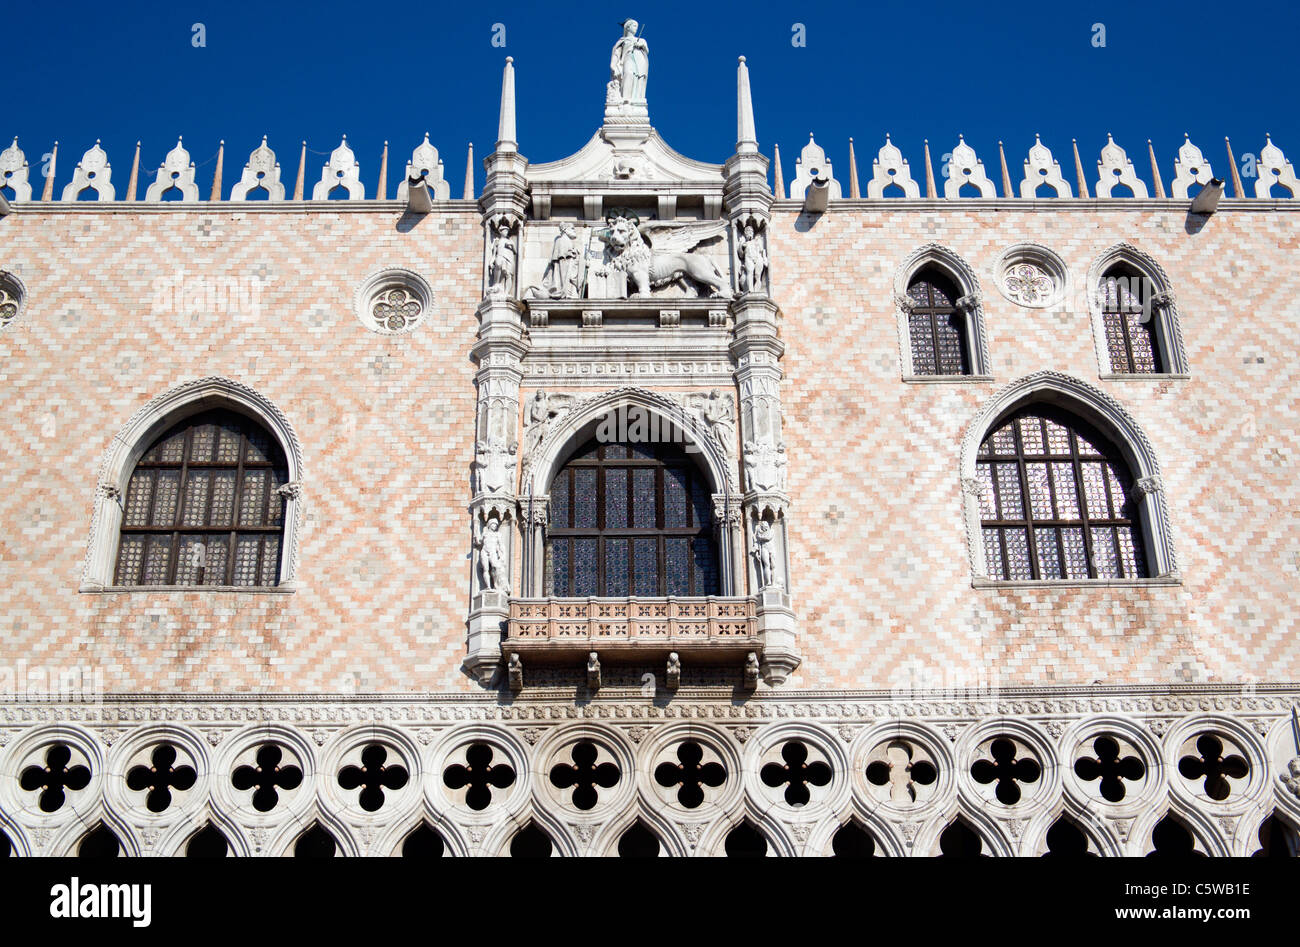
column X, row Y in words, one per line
column 657, row 254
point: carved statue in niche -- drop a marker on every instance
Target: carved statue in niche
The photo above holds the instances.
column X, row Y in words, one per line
column 494, row 466
column 491, row 549
column 765, row 465
column 753, row 261
column 562, row 278
column 629, row 67
column 655, row 254
column 502, row 257
column 761, row 549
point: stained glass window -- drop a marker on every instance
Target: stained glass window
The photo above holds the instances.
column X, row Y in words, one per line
column 1129, row 322
column 631, row 519
column 936, row 328
column 203, row 507
column 1054, row 501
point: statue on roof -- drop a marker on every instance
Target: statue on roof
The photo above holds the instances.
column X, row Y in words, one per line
column 629, row 66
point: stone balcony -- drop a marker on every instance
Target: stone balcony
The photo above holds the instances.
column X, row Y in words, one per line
column 621, row 630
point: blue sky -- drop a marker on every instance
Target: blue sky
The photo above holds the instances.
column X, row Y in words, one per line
column 125, row 71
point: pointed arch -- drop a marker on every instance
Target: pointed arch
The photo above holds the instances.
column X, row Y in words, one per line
column 138, row 434
column 573, row 422
column 1159, row 303
column 1097, row 408
column 969, row 301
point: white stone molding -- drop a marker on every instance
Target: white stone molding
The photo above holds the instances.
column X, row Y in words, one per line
column 1115, row 167
column 1163, row 308
column 568, row 427
column 1190, row 167
column 890, row 167
column 1031, row 275
column 963, row 275
column 1273, row 169
column 966, row 168
column 1097, row 408
column 13, row 295
column 177, row 171
column 342, row 170
column 392, row 300
column 94, row 172
column 812, row 165
column 1132, row 739
column 14, row 172
column 1036, row 795
column 150, row 421
column 1042, row 169
column 533, row 731
column 426, row 164
column 262, row 170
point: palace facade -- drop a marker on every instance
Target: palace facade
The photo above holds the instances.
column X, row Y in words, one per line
column 635, row 504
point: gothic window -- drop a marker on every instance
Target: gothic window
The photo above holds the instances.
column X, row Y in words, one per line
column 1054, row 501
column 631, row 519
column 1126, row 312
column 936, row 327
column 203, row 507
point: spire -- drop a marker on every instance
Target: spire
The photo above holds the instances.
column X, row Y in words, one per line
column 383, row 171
column 48, row 193
column 853, row 172
column 469, row 173
column 506, row 127
column 1236, row 178
column 1155, row 169
column 1078, row 167
column 302, row 170
column 746, row 137
column 929, row 173
column 1006, row 175
column 135, row 175
column 216, row 175
column 780, row 178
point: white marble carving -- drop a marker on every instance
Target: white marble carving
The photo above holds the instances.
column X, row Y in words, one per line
column 392, row 300
column 491, row 549
column 1041, row 168
column 812, row 165
column 629, row 70
column 1189, row 168
column 965, row 168
column 1031, row 275
column 262, row 171
column 655, row 254
column 562, row 278
column 890, row 167
column 1114, row 167
column 94, row 172
column 177, row 171
column 503, row 259
column 426, row 164
column 761, row 549
column 342, row 170
column 751, row 254
column 14, row 171
column 765, row 466
column 1275, row 169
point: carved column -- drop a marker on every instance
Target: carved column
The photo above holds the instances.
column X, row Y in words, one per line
column 756, row 351
column 498, row 352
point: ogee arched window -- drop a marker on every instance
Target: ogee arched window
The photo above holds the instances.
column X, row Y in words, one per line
column 1126, row 313
column 1055, row 501
column 631, row 519
column 203, row 506
column 936, row 326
